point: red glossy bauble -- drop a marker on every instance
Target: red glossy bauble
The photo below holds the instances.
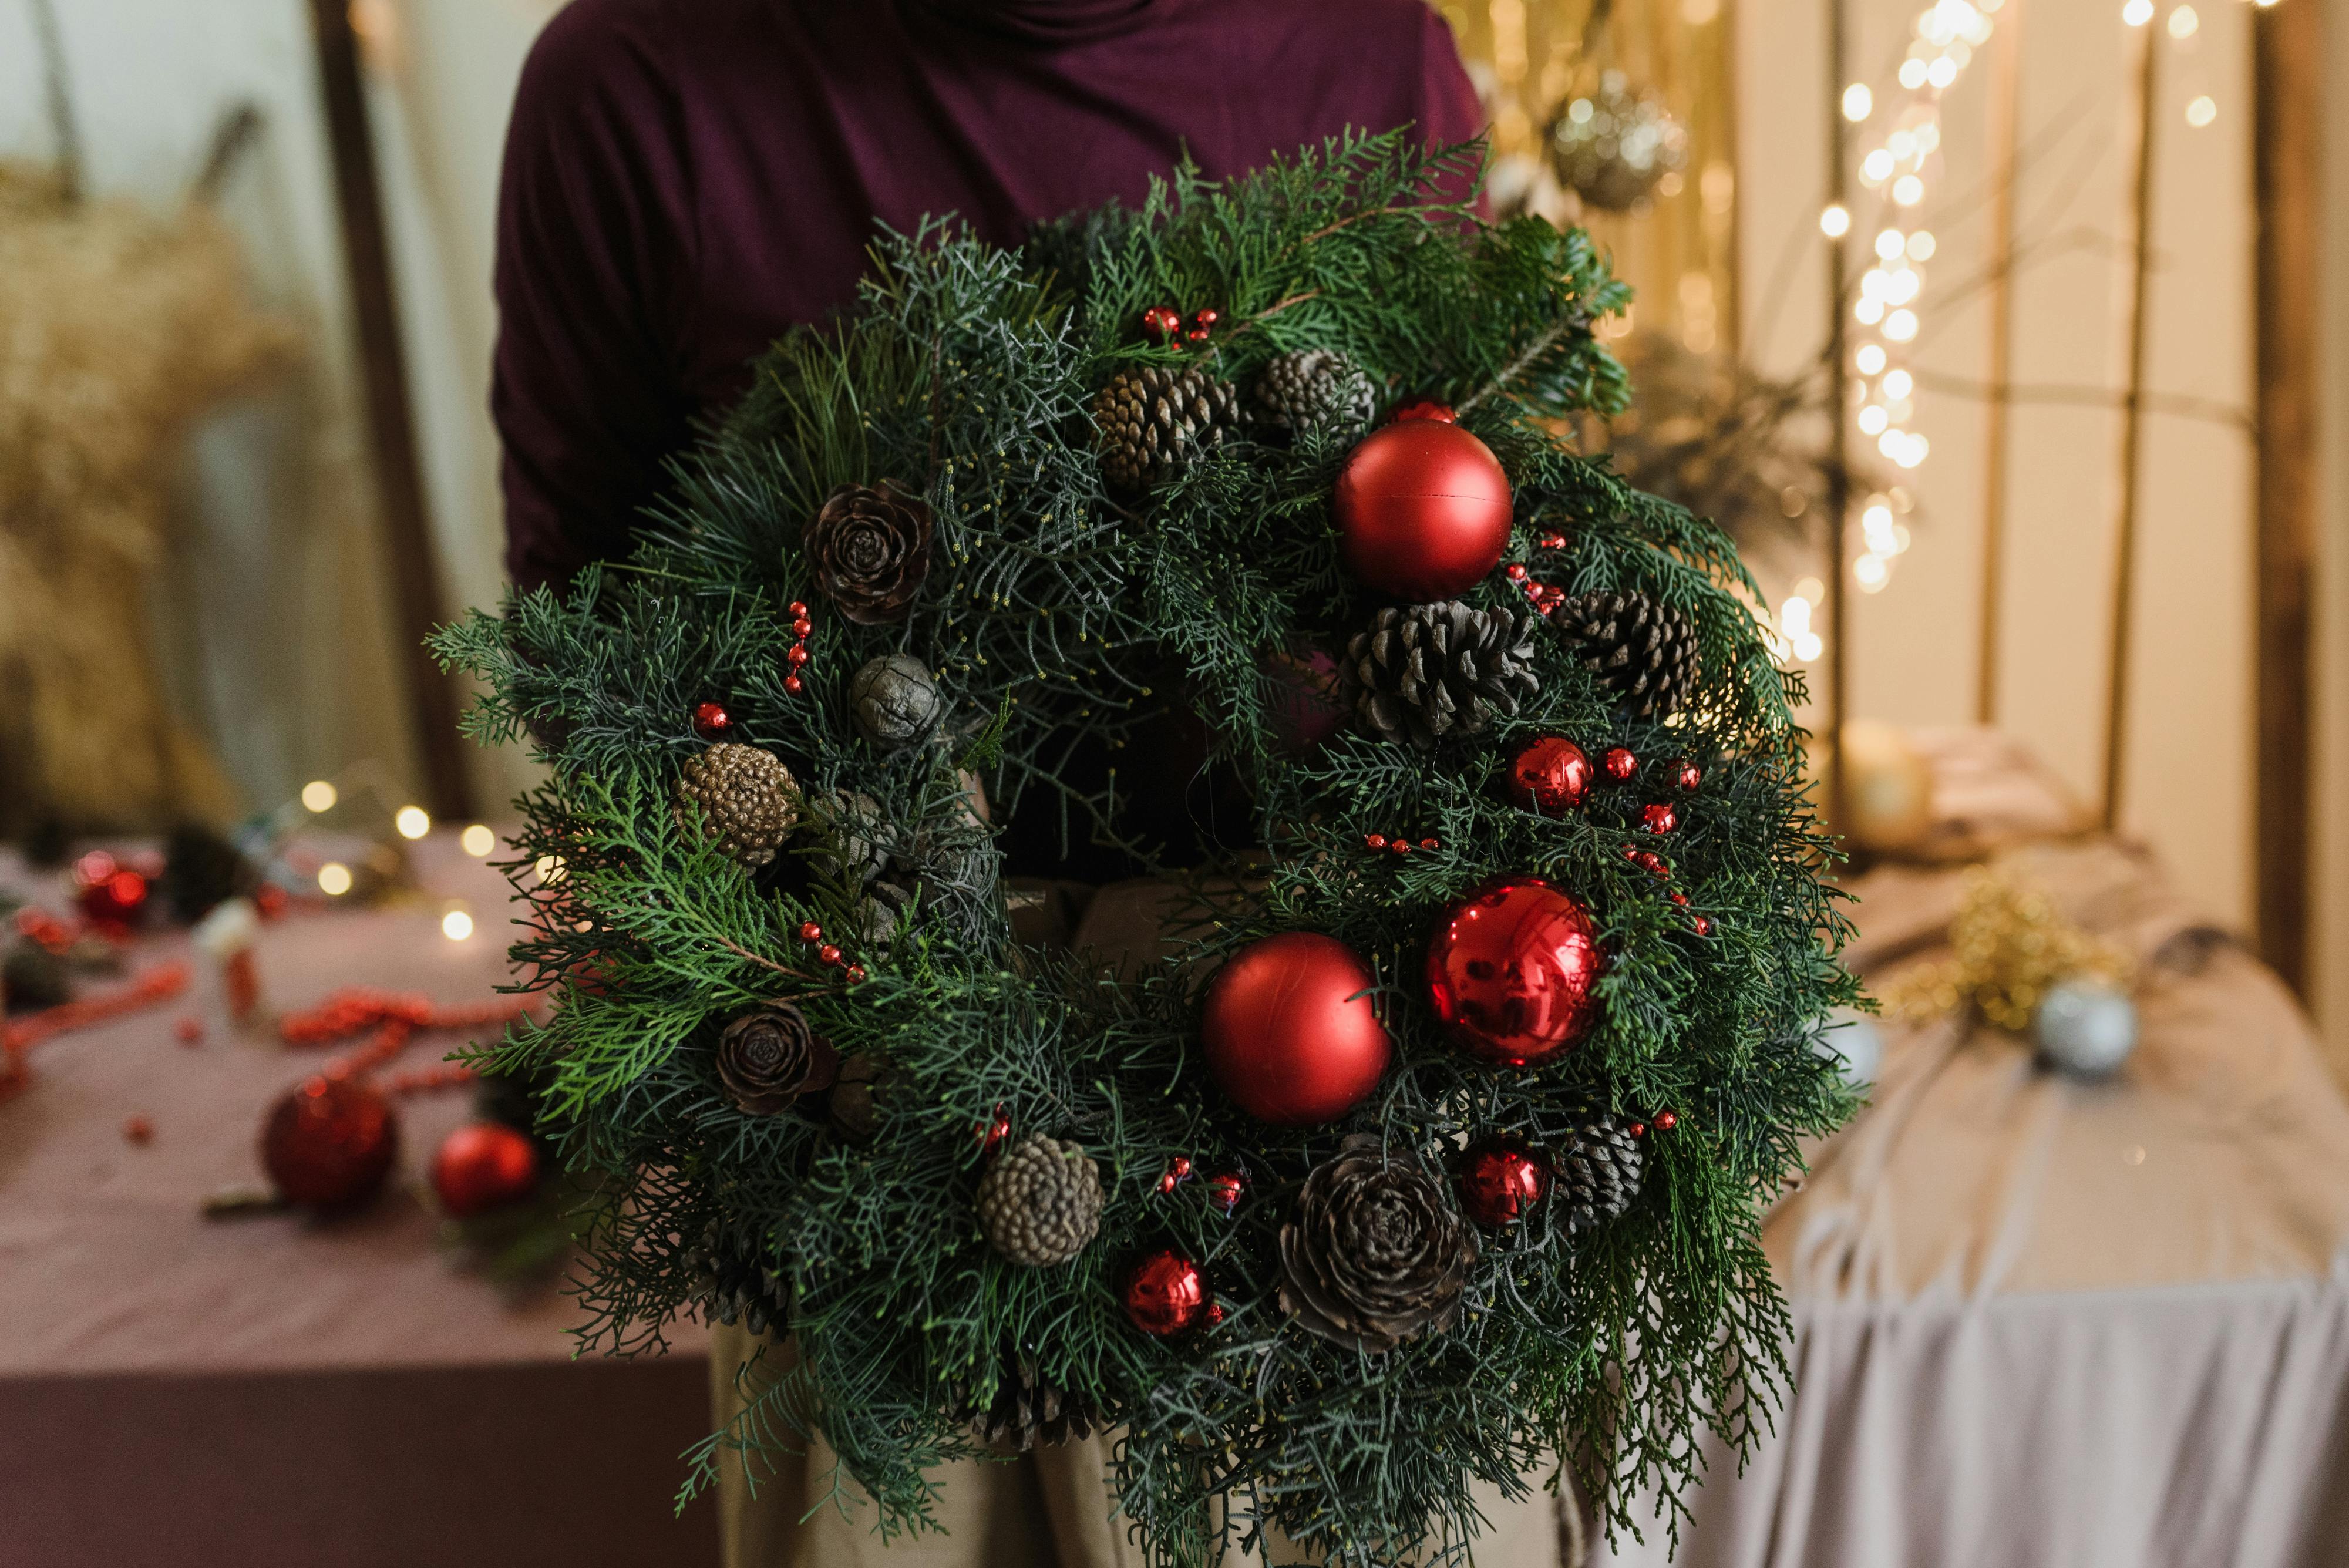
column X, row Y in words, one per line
column 1422, row 509
column 1659, row 817
column 1500, row 1179
column 1620, row 762
column 1425, row 409
column 1550, row 775
column 1164, row 1292
column 1688, row 773
column 1511, row 971
column 329, row 1143
column 483, row 1165
column 1289, row 1033
column 711, row 721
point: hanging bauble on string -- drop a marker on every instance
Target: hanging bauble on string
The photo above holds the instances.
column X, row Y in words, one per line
column 1612, row 147
column 329, row 1143
column 1511, row 971
column 2084, row 1025
column 1290, row 1031
column 483, row 1165
column 1421, row 509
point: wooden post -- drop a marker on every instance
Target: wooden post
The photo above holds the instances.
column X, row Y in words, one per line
column 2117, row 692
column 1838, row 485
column 391, row 427
column 2287, row 41
column 2005, row 126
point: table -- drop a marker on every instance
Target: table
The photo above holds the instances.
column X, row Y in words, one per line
column 2041, row 1321
column 276, row 1390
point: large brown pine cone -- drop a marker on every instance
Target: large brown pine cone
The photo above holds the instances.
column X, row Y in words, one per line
column 1643, row 650
column 1026, row 1409
column 748, row 799
column 768, row 1057
column 1313, row 389
column 1598, row 1173
column 1154, row 420
column 871, row 549
column 1376, row 1256
column 1040, row 1201
column 1425, row 671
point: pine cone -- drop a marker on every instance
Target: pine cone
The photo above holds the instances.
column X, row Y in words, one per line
column 768, row 1057
column 1040, row 1201
column 748, row 802
column 1154, row 420
column 1314, row 389
column 1376, row 1254
column 870, row 549
column 1026, row 1410
column 1642, row 651
column 1598, row 1173
column 1423, row 672
column 894, row 701
column 731, row 1287
column 851, row 1108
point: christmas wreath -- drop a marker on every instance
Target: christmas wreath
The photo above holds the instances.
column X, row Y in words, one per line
column 1435, row 1153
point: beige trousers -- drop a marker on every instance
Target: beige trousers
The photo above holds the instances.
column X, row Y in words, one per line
column 1048, row 1507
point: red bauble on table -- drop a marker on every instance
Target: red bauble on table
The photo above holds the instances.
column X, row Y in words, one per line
column 1511, row 971
column 483, row 1165
column 1289, row 1032
column 1500, row 1179
column 1550, row 775
column 329, row 1143
column 1164, row 1292
column 1422, row 509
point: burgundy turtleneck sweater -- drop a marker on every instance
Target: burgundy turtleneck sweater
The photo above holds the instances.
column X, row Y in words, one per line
column 685, row 179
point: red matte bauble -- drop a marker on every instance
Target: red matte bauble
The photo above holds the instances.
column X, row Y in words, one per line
column 1500, row 1179
column 1289, row 1031
column 1164, row 1292
column 1550, row 775
column 1422, row 509
column 1511, row 971
column 483, row 1165
column 329, row 1143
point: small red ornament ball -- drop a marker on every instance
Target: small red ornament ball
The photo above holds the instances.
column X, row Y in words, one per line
column 1500, row 1179
column 1289, row 1032
column 329, row 1143
column 1659, row 817
column 1511, row 971
column 1621, row 764
column 1688, row 773
column 116, row 896
column 1164, row 1292
column 1425, row 409
column 1422, row 509
column 483, row 1165
column 1550, row 775
column 711, row 721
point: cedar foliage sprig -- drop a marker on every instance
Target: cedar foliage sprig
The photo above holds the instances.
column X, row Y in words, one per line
column 1055, row 611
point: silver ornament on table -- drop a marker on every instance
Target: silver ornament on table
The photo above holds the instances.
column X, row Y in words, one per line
column 2085, row 1026
column 1851, row 1038
column 1612, row 147
column 894, row 701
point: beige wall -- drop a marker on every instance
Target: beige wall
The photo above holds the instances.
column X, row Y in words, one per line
column 2329, row 970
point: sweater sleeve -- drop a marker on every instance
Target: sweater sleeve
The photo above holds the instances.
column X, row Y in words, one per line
column 594, row 262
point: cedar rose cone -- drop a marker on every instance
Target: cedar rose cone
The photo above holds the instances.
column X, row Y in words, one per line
column 768, row 1057
column 1375, row 1254
column 871, row 549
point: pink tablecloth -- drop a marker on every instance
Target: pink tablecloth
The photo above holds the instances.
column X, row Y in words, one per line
column 274, row 1390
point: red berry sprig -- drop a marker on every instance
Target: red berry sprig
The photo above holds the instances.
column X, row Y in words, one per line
column 989, row 1134
column 829, row 954
column 1226, row 1189
column 1399, row 845
column 797, row 656
column 1202, row 323
column 1687, row 774
column 1178, row 1170
column 1659, row 817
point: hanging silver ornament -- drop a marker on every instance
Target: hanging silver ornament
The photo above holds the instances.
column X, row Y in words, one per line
column 1851, row 1038
column 894, row 701
column 1612, row 146
column 2085, row 1026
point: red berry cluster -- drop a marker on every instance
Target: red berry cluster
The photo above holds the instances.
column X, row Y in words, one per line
column 1665, row 1122
column 1658, row 817
column 1423, row 409
column 797, row 656
column 828, row 954
column 1165, row 323
column 1542, row 597
column 1178, row 1170
column 989, row 1134
column 1399, row 845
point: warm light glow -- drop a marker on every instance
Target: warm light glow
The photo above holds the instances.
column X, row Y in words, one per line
column 1912, row 73
column 1920, row 246
column 1890, row 243
column 1868, row 311
column 1811, row 588
column 1872, row 420
column 1876, row 167
column 478, row 840
column 549, row 868
column 2202, row 111
column 333, row 878
column 2137, row 13
column 412, row 821
column 1900, row 325
column 1870, row 573
column 2183, row 21
column 456, row 925
column 1941, row 72
column 1901, row 287
column 1834, row 222
column 319, row 796
column 1857, row 102
column 1899, row 384
column 1908, row 190
column 1870, row 358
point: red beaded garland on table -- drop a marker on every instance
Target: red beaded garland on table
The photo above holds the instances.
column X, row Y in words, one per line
column 483, row 1165
column 1422, row 510
column 1166, row 1293
column 1551, row 775
column 1511, row 971
column 1500, row 1179
column 1290, row 1033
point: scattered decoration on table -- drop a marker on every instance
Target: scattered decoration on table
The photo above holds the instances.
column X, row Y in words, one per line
column 1375, row 1255
column 188, row 1030
column 329, row 1143
column 482, row 1166
column 111, row 896
column 1290, row 1031
column 1422, row 510
column 1041, row 1202
column 1612, row 146
column 1852, row 1040
column 1500, row 1179
column 1511, row 971
column 1600, row 1172
column 2085, row 1026
column 227, row 936
column 2011, row 948
column 18, row 1036
column 138, row 1129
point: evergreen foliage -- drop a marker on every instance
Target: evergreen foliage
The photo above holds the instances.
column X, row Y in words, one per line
column 1056, row 610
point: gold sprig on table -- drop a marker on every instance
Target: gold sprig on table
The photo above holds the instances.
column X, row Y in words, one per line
column 2011, row 944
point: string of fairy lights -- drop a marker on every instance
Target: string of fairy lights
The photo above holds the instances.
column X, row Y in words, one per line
column 1896, row 164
